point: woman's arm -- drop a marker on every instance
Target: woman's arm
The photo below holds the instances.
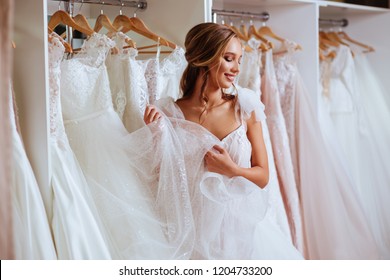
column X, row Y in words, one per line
column 222, row 163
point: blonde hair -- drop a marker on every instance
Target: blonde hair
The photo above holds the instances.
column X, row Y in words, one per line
column 205, row 43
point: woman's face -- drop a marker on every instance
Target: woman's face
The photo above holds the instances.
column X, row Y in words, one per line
column 224, row 71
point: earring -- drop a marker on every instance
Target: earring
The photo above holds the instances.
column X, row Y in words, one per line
column 231, row 91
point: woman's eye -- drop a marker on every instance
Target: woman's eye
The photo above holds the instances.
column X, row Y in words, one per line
column 228, row 59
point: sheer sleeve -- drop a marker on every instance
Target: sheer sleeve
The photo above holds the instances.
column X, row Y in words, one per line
column 249, row 102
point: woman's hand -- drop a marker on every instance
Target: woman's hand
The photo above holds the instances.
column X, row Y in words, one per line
column 151, row 114
column 220, row 162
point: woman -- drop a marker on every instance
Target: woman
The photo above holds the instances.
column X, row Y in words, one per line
column 223, row 127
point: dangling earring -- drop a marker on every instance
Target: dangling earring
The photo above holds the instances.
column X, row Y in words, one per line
column 231, row 91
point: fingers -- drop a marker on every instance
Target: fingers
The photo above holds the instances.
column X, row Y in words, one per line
column 219, row 149
column 151, row 114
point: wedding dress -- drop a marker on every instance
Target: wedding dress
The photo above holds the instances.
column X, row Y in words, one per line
column 31, row 231
column 374, row 150
column 281, row 147
column 335, row 226
column 76, row 226
column 230, row 214
column 128, row 84
column 249, row 77
column 143, row 204
column 163, row 77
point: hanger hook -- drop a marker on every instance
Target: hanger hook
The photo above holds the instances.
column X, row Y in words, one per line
column 135, row 12
column 230, row 21
column 59, row 5
column 120, row 11
column 101, row 7
column 82, row 3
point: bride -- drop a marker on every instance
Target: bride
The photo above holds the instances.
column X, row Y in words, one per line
column 225, row 157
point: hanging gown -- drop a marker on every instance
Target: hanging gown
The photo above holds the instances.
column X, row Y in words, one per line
column 32, row 237
column 163, row 77
column 128, row 84
column 230, row 214
column 281, row 147
column 334, row 223
column 76, row 226
column 249, row 77
column 342, row 108
column 143, row 205
column 285, row 71
column 373, row 136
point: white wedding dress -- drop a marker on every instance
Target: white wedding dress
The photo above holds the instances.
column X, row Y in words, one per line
column 230, row 214
column 75, row 223
column 128, row 84
column 135, row 182
column 250, row 78
column 32, row 238
column 335, row 225
column 281, row 147
column 163, row 77
column 374, row 150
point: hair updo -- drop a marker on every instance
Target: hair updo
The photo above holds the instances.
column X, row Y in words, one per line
column 205, row 43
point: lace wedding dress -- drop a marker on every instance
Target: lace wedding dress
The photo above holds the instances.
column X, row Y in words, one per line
column 132, row 177
column 163, row 77
column 249, row 77
column 230, row 214
column 31, row 231
column 281, row 148
column 75, row 223
column 335, row 225
column 128, row 84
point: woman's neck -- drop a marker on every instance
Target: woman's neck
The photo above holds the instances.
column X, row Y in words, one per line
column 213, row 94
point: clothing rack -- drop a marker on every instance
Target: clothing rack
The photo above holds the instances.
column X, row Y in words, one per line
column 334, row 22
column 264, row 16
column 69, row 8
column 140, row 4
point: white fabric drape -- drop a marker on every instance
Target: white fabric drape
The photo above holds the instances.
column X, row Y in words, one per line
column 6, row 247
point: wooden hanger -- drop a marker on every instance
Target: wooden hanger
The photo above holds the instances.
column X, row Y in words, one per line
column 252, row 31
column 103, row 21
column 68, row 47
column 237, row 31
column 64, row 18
column 83, row 22
column 244, row 31
column 265, row 30
column 345, row 36
column 141, row 28
column 137, row 25
column 324, row 39
column 335, row 37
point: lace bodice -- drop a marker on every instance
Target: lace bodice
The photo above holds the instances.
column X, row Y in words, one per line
column 251, row 62
column 163, row 77
column 341, row 86
column 117, row 67
column 285, row 71
column 84, row 79
column 56, row 53
column 236, row 142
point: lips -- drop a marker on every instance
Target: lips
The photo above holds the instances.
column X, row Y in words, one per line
column 230, row 77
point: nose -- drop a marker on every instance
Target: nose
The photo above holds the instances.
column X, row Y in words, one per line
column 236, row 68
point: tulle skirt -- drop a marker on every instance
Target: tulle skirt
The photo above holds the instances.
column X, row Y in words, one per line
column 143, row 210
